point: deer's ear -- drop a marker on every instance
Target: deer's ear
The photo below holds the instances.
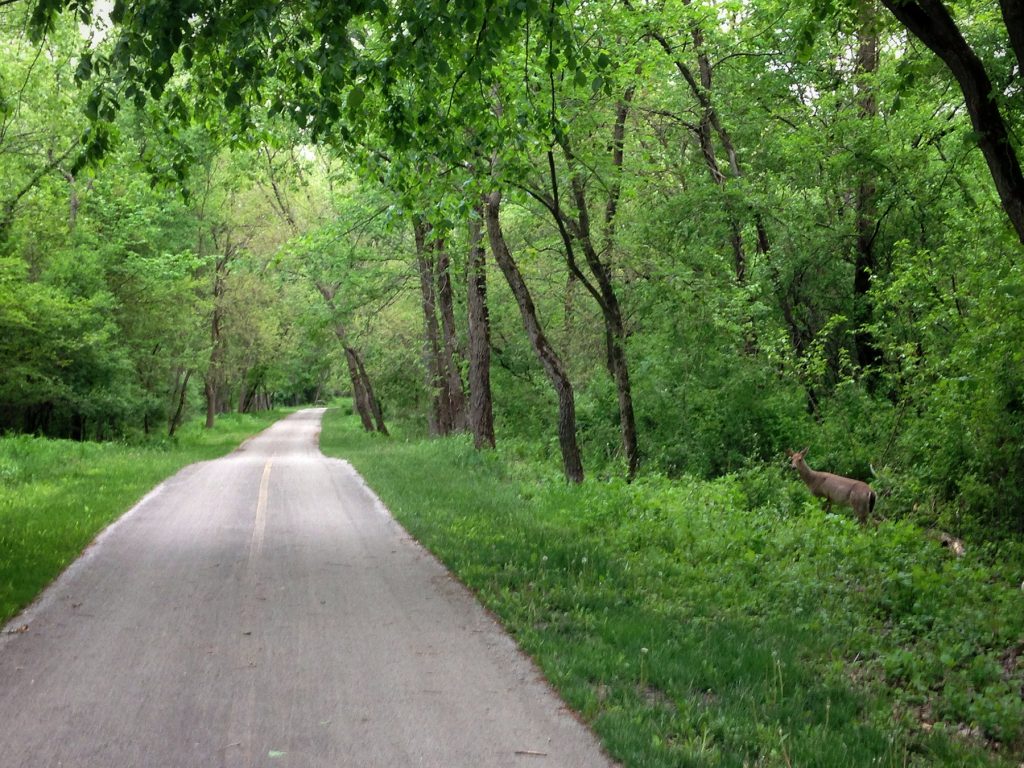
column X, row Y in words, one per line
column 805, row 450
column 790, row 453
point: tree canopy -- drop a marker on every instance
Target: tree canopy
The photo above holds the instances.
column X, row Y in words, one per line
column 667, row 237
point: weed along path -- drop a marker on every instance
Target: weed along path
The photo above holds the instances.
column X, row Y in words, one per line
column 264, row 610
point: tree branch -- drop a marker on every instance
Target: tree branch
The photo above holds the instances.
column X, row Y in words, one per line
column 930, row 21
column 1013, row 17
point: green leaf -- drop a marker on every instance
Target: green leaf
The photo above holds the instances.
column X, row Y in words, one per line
column 355, row 99
column 84, row 70
column 92, row 105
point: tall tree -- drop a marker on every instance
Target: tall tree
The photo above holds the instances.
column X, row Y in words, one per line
column 39, row 127
column 865, row 206
column 450, row 343
column 364, row 399
column 553, row 366
column 599, row 281
column 481, row 411
column 441, row 417
column 932, row 23
column 709, row 128
column 275, row 173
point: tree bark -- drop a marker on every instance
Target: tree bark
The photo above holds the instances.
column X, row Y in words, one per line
column 618, row 156
column 439, row 420
column 481, row 409
column 615, row 329
column 931, row 22
column 1013, row 17
column 211, row 387
column 371, row 399
column 210, row 390
column 215, row 373
column 454, row 391
column 363, row 398
column 360, row 398
column 709, row 126
column 182, row 393
column 865, row 259
column 604, row 292
column 552, row 364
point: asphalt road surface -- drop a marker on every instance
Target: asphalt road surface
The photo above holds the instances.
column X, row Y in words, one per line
column 265, row 610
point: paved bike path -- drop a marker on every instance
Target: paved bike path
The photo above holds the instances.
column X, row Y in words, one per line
column 264, row 609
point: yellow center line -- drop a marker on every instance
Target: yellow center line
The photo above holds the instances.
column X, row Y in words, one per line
column 260, row 525
column 238, row 751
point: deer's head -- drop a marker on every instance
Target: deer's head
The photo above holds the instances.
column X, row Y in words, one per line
column 795, row 457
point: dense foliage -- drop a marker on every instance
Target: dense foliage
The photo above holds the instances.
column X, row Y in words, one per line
column 730, row 228
column 119, row 293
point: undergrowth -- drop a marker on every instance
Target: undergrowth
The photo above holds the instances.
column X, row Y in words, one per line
column 728, row 622
column 56, row 495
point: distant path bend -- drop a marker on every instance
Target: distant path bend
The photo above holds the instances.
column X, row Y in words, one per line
column 264, row 610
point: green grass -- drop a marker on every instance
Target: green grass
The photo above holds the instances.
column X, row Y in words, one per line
column 724, row 623
column 56, row 495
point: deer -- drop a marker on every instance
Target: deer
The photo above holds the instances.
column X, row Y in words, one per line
column 842, row 490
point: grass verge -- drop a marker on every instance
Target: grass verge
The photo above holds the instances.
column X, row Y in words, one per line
column 56, row 495
column 727, row 622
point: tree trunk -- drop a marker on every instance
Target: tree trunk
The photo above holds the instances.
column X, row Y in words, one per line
column 362, row 394
column 371, row 399
column 552, row 364
column 453, row 377
column 214, row 373
column 615, row 330
column 569, row 308
column 481, row 410
column 613, row 319
column 930, row 21
column 211, row 402
column 604, row 293
column 181, row 393
column 865, row 261
column 710, row 121
column 78, row 427
column 1013, row 18
column 360, row 401
column 439, row 418
column 624, row 391
column 710, row 125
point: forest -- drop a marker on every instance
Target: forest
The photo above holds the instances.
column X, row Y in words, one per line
column 623, row 241
column 674, row 238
